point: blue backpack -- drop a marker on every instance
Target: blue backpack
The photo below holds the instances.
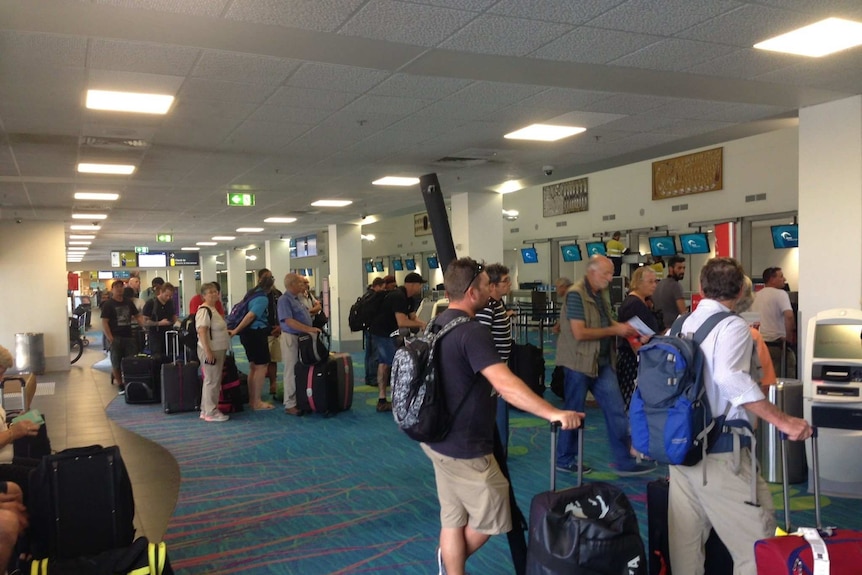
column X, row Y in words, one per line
column 671, row 420
column 238, row 311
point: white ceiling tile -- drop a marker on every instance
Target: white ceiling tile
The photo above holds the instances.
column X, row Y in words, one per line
column 641, row 123
column 563, row 99
column 688, row 109
column 627, row 104
column 35, row 49
column 55, row 87
column 40, row 119
column 747, row 25
column 454, row 109
column 425, row 87
column 190, row 109
column 491, row 34
column 265, row 137
column 593, row 45
column 742, row 113
column 554, row 10
column 310, row 98
column 307, row 116
column 133, row 81
column 472, row 5
column 211, row 8
column 232, row 67
column 495, row 93
column 321, row 15
column 691, row 127
column 587, row 120
column 673, row 54
column 334, row 77
column 744, row 63
column 664, row 18
column 822, row 8
column 396, row 21
column 202, row 89
column 392, row 104
column 140, row 57
column 427, row 124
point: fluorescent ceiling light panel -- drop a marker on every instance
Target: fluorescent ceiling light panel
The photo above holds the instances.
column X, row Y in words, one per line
column 79, row 243
column 819, row 39
column 85, row 228
column 509, row 186
column 223, row 238
column 117, row 169
column 80, row 237
column 89, row 216
column 102, row 196
column 396, row 181
column 206, row 243
column 190, row 249
column 544, row 132
column 279, row 220
column 129, row 102
column 76, row 249
column 331, row 203
column 249, row 230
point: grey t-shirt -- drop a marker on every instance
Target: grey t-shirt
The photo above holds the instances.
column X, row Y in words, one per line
column 666, row 293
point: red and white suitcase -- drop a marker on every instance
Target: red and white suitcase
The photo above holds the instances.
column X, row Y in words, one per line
column 820, row 550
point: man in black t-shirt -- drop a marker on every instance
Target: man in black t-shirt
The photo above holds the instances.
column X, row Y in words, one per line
column 160, row 316
column 473, row 493
column 397, row 310
column 118, row 314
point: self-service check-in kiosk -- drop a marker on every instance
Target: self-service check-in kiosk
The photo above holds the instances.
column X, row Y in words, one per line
column 833, row 398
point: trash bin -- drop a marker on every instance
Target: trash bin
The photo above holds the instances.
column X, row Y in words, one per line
column 30, row 353
column 787, row 396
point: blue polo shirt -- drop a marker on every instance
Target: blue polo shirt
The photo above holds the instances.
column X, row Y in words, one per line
column 290, row 307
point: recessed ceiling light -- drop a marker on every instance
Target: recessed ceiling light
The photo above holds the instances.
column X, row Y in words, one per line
column 331, row 203
column 819, row 39
column 509, row 186
column 85, row 228
column 129, row 102
column 279, row 220
column 206, row 243
column 249, row 230
column 544, row 132
column 121, row 169
column 80, row 237
column 76, row 249
column 190, row 249
column 105, row 196
column 396, row 181
column 224, row 238
column 79, row 243
column 89, row 216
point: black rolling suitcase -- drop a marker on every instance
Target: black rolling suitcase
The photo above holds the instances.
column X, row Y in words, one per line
column 141, row 378
column 326, row 387
column 181, row 382
column 718, row 560
column 80, row 503
column 590, row 529
column 528, row 362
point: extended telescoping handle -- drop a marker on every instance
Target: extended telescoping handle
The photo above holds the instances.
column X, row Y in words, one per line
column 815, row 466
column 175, row 336
column 555, row 425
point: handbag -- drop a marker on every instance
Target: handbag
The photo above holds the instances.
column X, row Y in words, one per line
column 312, row 350
column 320, row 320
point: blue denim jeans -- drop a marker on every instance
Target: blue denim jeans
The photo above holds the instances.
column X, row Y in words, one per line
column 606, row 390
column 371, row 359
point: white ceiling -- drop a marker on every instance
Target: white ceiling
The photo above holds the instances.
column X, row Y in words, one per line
column 298, row 100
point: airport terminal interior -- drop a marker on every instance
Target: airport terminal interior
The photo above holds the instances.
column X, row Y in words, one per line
column 204, row 141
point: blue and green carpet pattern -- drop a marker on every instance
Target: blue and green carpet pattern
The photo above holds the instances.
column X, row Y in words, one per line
column 270, row 493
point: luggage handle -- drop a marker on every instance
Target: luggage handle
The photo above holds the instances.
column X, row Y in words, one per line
column 815, row 466
column 176, row 347
column 556, row 425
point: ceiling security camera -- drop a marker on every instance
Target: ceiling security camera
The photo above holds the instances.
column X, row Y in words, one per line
column 548, row 170
column 18, row 220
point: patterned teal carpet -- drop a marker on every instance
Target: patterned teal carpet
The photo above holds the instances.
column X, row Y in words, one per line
column 270, row 493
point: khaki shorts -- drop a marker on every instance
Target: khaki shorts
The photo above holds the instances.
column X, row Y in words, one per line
column 471, row 492
column 274, row 349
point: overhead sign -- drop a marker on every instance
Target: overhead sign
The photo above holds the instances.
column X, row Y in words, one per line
column 124, row 260
column 242, row 200
column 184, row 259
column 164, row 238
column 142, row 250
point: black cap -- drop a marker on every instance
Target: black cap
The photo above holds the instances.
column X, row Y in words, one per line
column 414, row 278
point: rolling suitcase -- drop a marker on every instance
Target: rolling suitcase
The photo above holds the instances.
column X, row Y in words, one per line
column 234, row 387
column 588, row 529
column 80, row 503
column 718, row 560
column 326, row 387
column 181, row 382
column 528, row 362
column 141, row 378
column 819, row 550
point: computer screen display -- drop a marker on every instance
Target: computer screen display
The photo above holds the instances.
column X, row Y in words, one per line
column 410, row 264
column 369, row 267
column 397, row 265
column 571, row 253
column 662, row 246
column 694, row 243
column 378, row 266
column 596, row 248
column 433, row 263
column 529, row 255
column 785, row 236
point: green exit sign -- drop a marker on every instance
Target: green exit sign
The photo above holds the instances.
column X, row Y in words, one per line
column 164, row 238
column 142, row 250
column 236, row 199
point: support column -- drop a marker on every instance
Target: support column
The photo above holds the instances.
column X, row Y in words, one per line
column 209, row 267
column 346, row 283
column 477, row 226
column 277, row 257
column 236, row 277
column 190, row 288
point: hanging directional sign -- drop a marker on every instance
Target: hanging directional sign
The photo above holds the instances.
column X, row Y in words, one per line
column 142, row 250
column 164, row 238
column 237, row 199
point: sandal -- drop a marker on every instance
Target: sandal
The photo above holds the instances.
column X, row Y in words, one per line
column 263, row 406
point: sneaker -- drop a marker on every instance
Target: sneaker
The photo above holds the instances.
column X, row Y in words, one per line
column 383, row 406
column 219, row 416
column 122, row 390
column 441, row 569
column 634, row 468
column 573, row 468
column 203, row 415
column 293, row 411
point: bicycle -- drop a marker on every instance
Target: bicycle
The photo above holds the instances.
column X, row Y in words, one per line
column 76, row 341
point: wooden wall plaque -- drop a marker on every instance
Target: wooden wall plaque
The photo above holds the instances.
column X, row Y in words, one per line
column 689, row 174
column 565, row 197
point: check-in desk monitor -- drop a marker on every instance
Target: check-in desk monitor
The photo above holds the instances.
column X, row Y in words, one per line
column 833, row 398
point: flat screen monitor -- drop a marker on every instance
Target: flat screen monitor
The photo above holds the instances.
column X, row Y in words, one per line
column 694, row 243
column 369, row 267
column 571, row 253
column 529, row 255
column 378, row 266
column 596, row 248
column 410, row 264
column 153, row 260
column 433, row 263
column 106, row 275
column 785, row 236
column 398, row 265
column 662, row 246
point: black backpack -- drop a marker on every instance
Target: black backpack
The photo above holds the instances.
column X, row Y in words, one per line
column 364, row 310
column 189, row 330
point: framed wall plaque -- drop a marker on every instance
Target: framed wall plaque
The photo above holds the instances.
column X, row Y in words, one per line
column 565, row 197
column 421, row 225
column 689, row 174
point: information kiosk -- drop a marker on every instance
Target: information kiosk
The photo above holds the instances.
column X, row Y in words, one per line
column 832, row 391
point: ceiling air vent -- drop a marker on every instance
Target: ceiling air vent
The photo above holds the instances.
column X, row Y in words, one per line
column 113, row 144
column 459, row 162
